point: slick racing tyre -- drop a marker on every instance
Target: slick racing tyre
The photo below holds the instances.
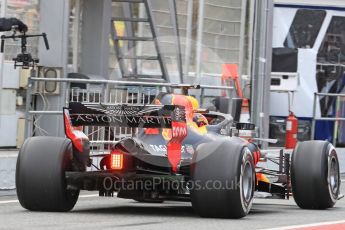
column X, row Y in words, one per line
column 315, row 176
column 223, row 179
column 40, row 175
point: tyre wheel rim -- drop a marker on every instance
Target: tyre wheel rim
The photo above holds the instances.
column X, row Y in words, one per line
column 247, row 181
column 333, row 176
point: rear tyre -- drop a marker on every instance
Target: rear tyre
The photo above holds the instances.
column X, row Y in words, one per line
column 40, row 175
column 315, row 176
column 223, row 179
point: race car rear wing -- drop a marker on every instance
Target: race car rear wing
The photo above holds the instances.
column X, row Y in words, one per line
column 133, row 116
column 124, row 115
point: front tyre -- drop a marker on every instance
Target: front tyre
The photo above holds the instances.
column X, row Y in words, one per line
column 40, row 175
column 223, row 179
column 315, row 175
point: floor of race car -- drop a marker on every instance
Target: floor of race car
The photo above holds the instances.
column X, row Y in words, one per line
column 93, row 212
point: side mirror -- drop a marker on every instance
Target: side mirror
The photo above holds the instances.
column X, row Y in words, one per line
column 245, row 126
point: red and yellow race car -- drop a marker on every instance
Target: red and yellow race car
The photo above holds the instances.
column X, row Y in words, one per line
column 181, row 153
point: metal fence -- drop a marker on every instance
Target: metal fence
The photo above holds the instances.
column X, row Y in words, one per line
column 336, row 119
column 101, row 91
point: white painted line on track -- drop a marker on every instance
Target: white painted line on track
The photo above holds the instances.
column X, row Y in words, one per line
column 17, row 201
column 9, row 201
column 88, row 196
column 307, row 225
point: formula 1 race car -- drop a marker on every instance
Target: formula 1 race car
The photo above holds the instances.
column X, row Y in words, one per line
column 180, row 153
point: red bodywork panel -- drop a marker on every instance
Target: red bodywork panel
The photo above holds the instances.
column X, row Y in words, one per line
column 179, row 133
column 180, row 118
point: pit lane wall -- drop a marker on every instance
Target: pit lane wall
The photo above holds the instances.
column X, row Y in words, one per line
column 8, row 161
